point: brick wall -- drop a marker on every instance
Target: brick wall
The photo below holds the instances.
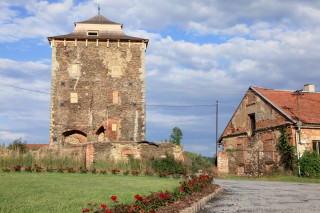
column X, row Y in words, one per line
column 223, row 167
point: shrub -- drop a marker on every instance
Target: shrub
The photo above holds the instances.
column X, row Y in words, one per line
column 37, row 168
column 49, row 169
column 17, row 168
column 82, row 170
column 135, row 173
column 148, row 173
column 115, row 171
column 126, row 172
column 168, row 165
column 310, row 164
column 104, row 172
column 70, row 170
column 6, row 169
column 60, row 169
column 28, row 169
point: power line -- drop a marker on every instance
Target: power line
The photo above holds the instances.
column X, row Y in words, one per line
column 27, row 89
column 162, row 105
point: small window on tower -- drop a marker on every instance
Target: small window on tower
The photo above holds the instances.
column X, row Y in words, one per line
column 115, row 72
column 75, row 69
column 73, row 98
column 115, row 98
column 92, row 33
column 114, row 127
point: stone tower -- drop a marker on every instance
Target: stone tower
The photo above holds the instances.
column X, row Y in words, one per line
column 97, row 85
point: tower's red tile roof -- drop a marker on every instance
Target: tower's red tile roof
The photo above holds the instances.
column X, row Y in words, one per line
column 309, row 104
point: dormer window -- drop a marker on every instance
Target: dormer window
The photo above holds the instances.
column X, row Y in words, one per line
column 92, row 33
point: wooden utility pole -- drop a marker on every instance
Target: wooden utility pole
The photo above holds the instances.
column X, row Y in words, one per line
column 217, row 103
column 298, row 93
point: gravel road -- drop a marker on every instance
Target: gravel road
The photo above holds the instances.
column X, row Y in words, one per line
column 262, row 196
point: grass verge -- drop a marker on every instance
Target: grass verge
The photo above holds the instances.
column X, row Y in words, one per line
column 293, row 179
column 56, row 192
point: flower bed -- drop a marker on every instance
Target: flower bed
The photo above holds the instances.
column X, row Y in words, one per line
column 154, row 201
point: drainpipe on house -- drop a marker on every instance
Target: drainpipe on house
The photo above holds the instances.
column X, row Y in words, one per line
column 297, row 149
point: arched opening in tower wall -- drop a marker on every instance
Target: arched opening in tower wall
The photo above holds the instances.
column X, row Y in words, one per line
column 74, row 137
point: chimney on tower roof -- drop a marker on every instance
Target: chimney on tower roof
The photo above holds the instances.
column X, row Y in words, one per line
column 309, row 88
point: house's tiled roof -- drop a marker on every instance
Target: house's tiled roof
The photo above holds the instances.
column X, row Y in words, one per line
column 36, row 146
column 309, row 104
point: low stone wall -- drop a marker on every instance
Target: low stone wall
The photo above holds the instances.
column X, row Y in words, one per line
column 120, row 151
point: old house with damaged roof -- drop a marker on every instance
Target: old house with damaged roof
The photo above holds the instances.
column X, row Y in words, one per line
column 98, row 93
column 249, row 142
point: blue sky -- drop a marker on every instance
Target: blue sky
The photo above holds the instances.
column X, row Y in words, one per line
column 198, row 52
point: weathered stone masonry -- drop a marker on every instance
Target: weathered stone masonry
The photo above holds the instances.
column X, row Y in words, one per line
column 98, row 85
column 250, row 138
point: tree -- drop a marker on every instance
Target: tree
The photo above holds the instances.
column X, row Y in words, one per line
column 176, row 136
column 18, row 144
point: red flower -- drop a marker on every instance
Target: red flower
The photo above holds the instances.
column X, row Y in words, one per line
column 108, row 211
column 114, row 198
column 202, row 186
column 103, row 206
column 85, row 210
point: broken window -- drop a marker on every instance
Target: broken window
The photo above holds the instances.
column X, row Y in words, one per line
column 316, row 146
column 73, row 97
column 115, row 72
column 101, row 134
column 252, row 123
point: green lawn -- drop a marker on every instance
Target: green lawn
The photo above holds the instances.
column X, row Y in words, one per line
column 294, row 179
column 56, row 192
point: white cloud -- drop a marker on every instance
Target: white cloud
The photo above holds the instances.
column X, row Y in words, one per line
column 164, row 119
column 7, row 135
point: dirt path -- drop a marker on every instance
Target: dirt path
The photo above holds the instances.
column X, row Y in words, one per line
column 262, row 196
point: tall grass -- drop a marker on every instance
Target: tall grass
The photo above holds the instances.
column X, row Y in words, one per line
column 44, row 157
column 47, row 157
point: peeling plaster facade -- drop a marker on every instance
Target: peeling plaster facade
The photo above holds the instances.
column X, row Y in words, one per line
column 250, row 138
column 97, row 85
